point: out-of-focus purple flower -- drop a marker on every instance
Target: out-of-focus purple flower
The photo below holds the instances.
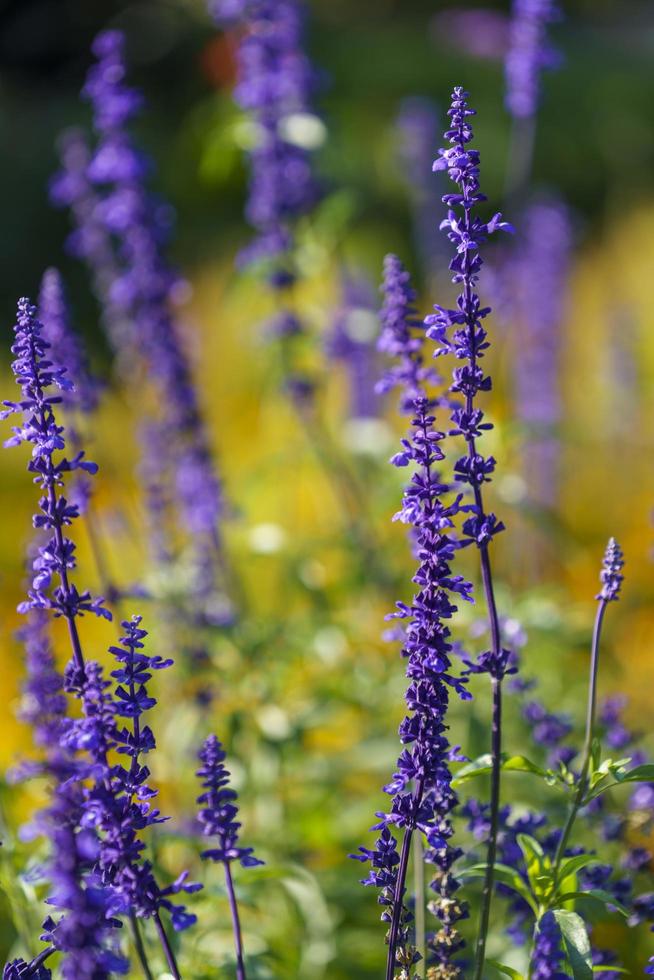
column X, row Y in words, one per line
column 122, row 231
column 421, row 787
column 548, row 957
column 84, row 932
column 276, row 83
column 417, row 134
column 529, row 53
column 90, row 240
column 43, row 705
column 35, row 374
column 66, row 350
column 539, row 271
column 351, row 341
column 610, row 576
column 476, row 31
column 402, row 337
column 549, row 729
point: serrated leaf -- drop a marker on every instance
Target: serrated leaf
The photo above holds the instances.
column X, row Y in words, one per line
column 506, row 971
column 598, row 895
column 576, row 942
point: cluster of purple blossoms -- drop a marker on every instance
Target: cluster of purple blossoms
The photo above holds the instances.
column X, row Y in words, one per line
column 35, row 373
column 421, row 787
column 124, row 235
column 468, row 341
column 611, row 575
column 548, row 957
column 529, row 53
column 217, row 815
column 276, row 83
column 66, row 351
column 118, row 802
column 99, row 807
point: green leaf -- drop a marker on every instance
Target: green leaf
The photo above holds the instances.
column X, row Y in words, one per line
column 506, row 971
column 483, row 766
column 507, row 876
column 575, row 864
column 577, row 943
column 614, row 969
column 598, row 895
column 640, row 774
column 480, row 766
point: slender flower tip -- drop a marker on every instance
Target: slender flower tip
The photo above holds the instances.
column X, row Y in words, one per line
column 218, row 808
column 610, row 576
column 108, row 43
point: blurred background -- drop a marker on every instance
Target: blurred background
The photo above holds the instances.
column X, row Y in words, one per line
column 303, row 690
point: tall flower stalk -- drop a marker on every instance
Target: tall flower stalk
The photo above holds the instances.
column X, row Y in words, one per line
column 217, row 815
column 468, row 341
column 122, row 231
column 422, row 796
column 611, row 578
column 84, row 795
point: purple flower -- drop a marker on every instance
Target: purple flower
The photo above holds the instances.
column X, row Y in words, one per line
column 548, row 957
column 117, row 804
column 422, row 797
column 127, row 230
column 20, row 970
column 66, row 350
column 218, row 808
column 400, row 336
column 217, row 814
column 417, row 133
column 529, row 53
column 351, row 341
column 468, row 339
column 35, row 374
column 84, row 932
column 610, row 576
column 43, row 704
column 538, row 272
column 276, row 83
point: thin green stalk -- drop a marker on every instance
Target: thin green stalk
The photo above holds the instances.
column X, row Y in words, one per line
column 419, row 894
column 591, row 709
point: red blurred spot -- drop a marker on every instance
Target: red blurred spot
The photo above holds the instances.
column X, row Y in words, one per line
column 218, row 60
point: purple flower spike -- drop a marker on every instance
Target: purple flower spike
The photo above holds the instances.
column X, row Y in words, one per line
column 217, row 815
column 529, row 53
column 421, row 787
column 118, row 802
column 218, row 807
column 610, row 576
column 66, row 349
column 35, row 373
column 548, row 957
column 276, row 82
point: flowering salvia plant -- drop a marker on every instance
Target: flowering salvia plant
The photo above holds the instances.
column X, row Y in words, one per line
column 474, row 876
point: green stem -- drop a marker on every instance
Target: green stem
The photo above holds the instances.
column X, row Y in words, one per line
column 419, row 891
column 582, row 785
